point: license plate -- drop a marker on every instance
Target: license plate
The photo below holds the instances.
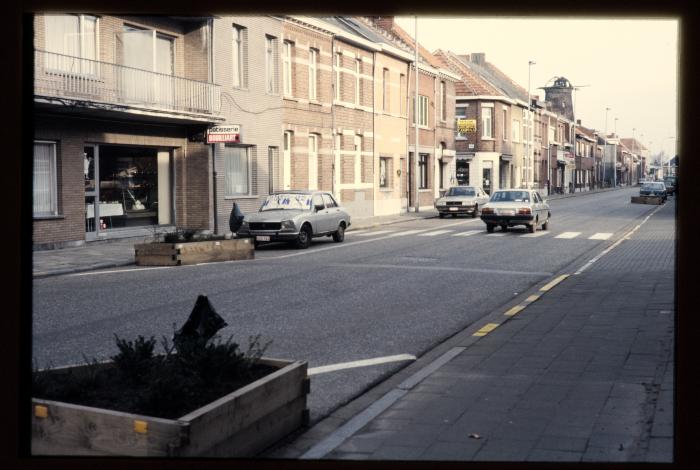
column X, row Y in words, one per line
column 454, row 209
column 506, row 212
column 262, row 238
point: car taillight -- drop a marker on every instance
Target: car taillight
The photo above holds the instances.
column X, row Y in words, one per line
column 524, row 210
column 487, row 210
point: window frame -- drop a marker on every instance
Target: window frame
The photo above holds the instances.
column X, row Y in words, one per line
column 421, row 112
column 357, row 142
column 312, row 142
column 237, row 51
column 338, row 82
column 271, row 65
column 92, row 70
column 423, row 171
column 358, row 81
column 387, row 172
column 248, row 192
column 313, row 74
column 287, row 75
column 443, row 101
column 53, row 212
column 385, row 90
column 486, row 110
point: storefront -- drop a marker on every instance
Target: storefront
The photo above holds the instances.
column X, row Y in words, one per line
column 462, row 167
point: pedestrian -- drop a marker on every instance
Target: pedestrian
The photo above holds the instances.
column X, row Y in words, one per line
column 571, row 187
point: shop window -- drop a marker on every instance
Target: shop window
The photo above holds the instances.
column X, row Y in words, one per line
column 236, row 171
column 423, row 170
column 45, row 180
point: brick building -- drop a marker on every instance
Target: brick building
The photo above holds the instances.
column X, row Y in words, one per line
column 118, row 104
column 435, row 169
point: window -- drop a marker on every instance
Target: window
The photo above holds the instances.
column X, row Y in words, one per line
column 461, row 112
column 287, row 159
column 423, row 170
column 487, row 122
column 287, row 52
column 515, row 128
column 313, row 73
column 74, row 36
column 358, row 80
column 271, row 64
column 273, row 162
column 45, row 180
column 313, row 161
column 239, row 56
column 318, row 200
column 384, row 172
column 385, row 90
column 422, row 111
column 338, row 81
column 443, row 102
column 329, row 201
column 505, row 122
column 236, row 171
column 358, row 159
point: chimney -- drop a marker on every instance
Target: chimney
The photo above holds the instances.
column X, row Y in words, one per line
column 478, row 58
column 384, row 22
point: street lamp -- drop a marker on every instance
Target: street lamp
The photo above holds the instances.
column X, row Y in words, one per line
column 605, row 141
column 530, row 63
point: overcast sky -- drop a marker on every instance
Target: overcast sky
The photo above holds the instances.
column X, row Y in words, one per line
column 630, row 65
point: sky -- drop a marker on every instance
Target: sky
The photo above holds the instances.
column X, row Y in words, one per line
column 629, row 65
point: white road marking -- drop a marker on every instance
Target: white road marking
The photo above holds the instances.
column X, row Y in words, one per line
column 378, row 232
column 533, row 235
column 407, row 232
column 361, row 363
column 437, row 268
column 131, row 270
column 466, row 234
column 355, row 232
column 600, row 236
column 436, row 232
column 568, row 235
column 497, row 234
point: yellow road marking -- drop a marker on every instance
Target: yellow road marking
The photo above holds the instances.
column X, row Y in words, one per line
column 554, row 283
column 41, row 411
column 532, row 298
column 514, row 310
column 486, row 329
column 140, row 427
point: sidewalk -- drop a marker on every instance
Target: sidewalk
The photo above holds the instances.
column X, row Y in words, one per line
column 582, row 373
column 116, row 253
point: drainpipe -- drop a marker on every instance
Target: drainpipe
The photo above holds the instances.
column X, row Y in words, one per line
column 212, row 151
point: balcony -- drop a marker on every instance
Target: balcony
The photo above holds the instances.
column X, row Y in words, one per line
column 62, row 79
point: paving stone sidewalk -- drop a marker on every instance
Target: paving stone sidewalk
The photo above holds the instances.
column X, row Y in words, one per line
column 583, row 374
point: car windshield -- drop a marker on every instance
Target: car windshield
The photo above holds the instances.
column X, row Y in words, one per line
column 513, row 196
column 653, row 186
column 286, row 201
column 457, row 191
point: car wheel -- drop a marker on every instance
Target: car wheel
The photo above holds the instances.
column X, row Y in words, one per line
column 532, row 228
column 476, row 211
column 454, row 216
column 545, row 225
column 339, row 235
column 490, row 227
column 504, row 228
column 256, row 243
column 442, row 216
column 304, row 239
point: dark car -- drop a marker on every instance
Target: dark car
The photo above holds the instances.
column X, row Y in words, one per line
column 654, row 189
column 671, row 183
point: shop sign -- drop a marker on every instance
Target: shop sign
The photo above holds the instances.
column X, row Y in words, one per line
column 466, row 125
column 221, row 134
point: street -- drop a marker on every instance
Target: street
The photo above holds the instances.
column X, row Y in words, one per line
column 396, row 290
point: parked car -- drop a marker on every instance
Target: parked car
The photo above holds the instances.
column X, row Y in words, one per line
column 510, row 207
column 671, row 183
column 657, row 188
column 461, row 200
column 297, row 217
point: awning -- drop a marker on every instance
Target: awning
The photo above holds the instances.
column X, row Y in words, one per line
column 506, row 158
column 465, row 156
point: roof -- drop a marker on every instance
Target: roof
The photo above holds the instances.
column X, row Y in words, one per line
column 634, row 144
column 471, row 83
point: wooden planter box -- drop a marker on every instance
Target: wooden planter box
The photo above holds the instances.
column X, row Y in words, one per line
column 175, row 254
column 646, row 200
column 240, row 424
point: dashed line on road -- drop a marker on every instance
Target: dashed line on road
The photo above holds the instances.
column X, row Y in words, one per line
column 514, row 310
column 436, row 232
column 534, row 235
column 360, row 363
column 600, row 236
column 466, row 234
column 486, row 329
column 568, row 235
column 131, row 270
column 553, row 283
column 378, row 232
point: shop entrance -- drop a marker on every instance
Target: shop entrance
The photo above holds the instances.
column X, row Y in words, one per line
column 125, row 187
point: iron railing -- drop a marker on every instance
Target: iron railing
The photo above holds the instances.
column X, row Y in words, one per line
column 74, row 78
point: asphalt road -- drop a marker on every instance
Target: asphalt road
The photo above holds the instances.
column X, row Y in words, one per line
column 394, row 290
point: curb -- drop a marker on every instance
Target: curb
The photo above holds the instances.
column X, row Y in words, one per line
column 94, row 267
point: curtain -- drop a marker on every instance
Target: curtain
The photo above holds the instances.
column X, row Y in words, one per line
column 236, row 170
column 63, row 37
column 44, row 179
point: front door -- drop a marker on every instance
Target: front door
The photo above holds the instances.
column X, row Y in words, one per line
column 92, row 225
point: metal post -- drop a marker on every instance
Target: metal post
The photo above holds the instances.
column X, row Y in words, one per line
column 530, row 63
column 415, row 114
column 605, row 142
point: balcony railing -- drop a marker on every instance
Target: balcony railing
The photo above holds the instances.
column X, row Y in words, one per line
column 62, row 76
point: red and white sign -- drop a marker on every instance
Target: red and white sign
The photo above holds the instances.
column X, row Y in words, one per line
column 220, row 134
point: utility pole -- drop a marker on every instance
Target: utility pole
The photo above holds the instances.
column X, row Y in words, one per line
column 530, row 63
column 573, row 110
column 605, row 142
column 416, row 204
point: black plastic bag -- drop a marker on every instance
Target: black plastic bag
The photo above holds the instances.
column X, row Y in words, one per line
column 235, row 219
column 203, row 322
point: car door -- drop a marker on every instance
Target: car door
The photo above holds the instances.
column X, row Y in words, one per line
column 483, row 197
column 539, row 204
column 319, row 219
column 334, row 214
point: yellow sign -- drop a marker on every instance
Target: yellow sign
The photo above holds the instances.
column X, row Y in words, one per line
column 466, row 125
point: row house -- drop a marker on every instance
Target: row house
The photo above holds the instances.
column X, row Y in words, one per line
column 637, row 160
column 494, row 135
column 118, row 104
column 432, row 118
column 585, row 158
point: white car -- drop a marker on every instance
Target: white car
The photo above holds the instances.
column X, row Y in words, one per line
column 509, row 207
column 461, row 200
